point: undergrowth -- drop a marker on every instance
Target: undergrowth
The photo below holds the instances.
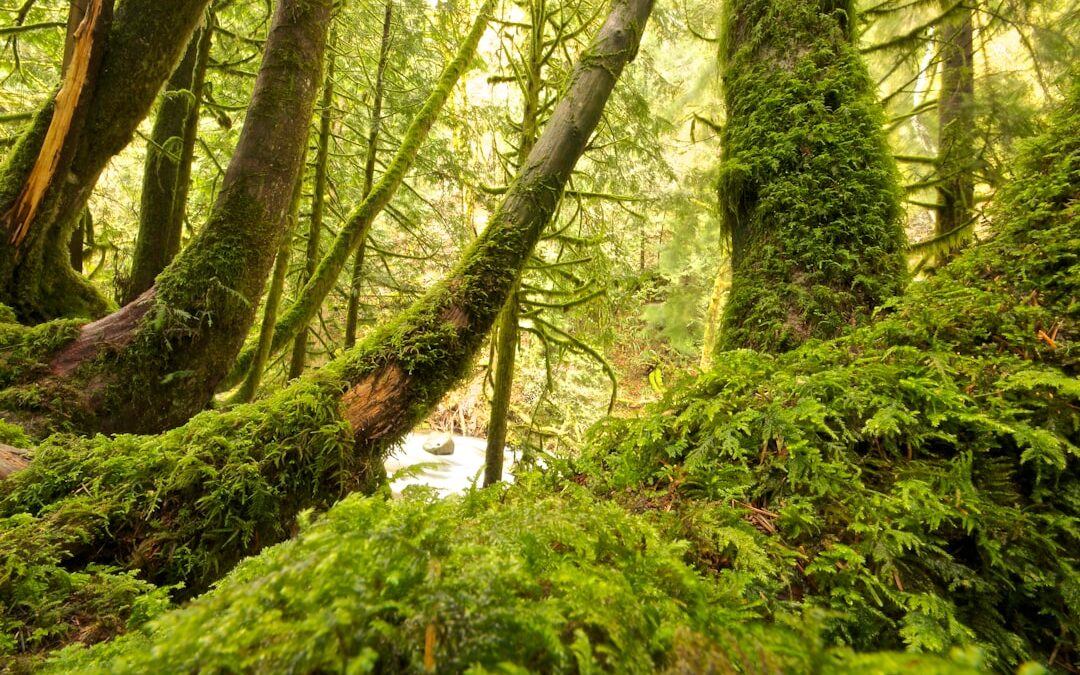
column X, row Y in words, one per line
column 494, row 582
column 92, row 525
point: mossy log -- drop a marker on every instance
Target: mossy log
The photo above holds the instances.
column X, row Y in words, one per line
column 144, row 41
column 183, row 507
column 808, row 188
column 156, row 362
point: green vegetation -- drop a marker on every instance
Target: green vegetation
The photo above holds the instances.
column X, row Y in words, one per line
column 879, row 472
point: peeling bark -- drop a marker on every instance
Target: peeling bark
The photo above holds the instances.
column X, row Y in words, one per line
column 157, row 362
column 145, row 40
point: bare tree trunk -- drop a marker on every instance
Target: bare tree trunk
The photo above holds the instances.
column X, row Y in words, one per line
column 506, row 345
column 167, row 173
column 353, row 310
column 808, row 187
column 76, row 13
column 129, row 59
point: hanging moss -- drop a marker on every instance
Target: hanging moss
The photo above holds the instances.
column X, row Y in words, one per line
column 808, row 188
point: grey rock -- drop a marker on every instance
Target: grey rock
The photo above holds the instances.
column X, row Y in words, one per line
column 440, row 444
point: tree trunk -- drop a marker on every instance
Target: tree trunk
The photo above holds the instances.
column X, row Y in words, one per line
column 76, row 13
column 186, row 505
column 296, row 318
column 505, row 353
column 353, row 310
column 531, row 82
column 167, row 173
column 318, row 208
column 808, row 189
column 956, row 134
column 144, row 41
column 251, row 383
column 157, row 362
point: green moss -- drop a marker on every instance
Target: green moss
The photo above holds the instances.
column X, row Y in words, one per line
column 920, row 477
column 506, row 583
column 180, row 508
column 808, row 188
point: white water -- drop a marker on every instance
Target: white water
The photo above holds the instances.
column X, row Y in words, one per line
column 449, row 474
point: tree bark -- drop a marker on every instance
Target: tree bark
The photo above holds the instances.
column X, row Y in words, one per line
column 808, row 188
column 157, row 362
column 505, row 354
column 956, row 134
column 167, row 172
column 251, row 383
column 506, row 347
column 296, row 318
column 144, row 41
column 318, row 208
column 76, row 13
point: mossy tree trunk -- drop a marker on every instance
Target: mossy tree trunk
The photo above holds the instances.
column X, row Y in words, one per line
column 167, row 172
column 186, row 505
column 506, row 346
column 956, row 133
column 808, row 188
column 352, row 312
column 318, row 210
column 157, row 362
column 251, row 383
column 138, row 51
column 296, row 318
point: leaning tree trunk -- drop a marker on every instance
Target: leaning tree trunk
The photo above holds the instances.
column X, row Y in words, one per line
column 296, row 318
column 157, row 362
column 49, row 175
column 956, row 134
column 167, row 170
column 186, row 505
column 808, row 188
